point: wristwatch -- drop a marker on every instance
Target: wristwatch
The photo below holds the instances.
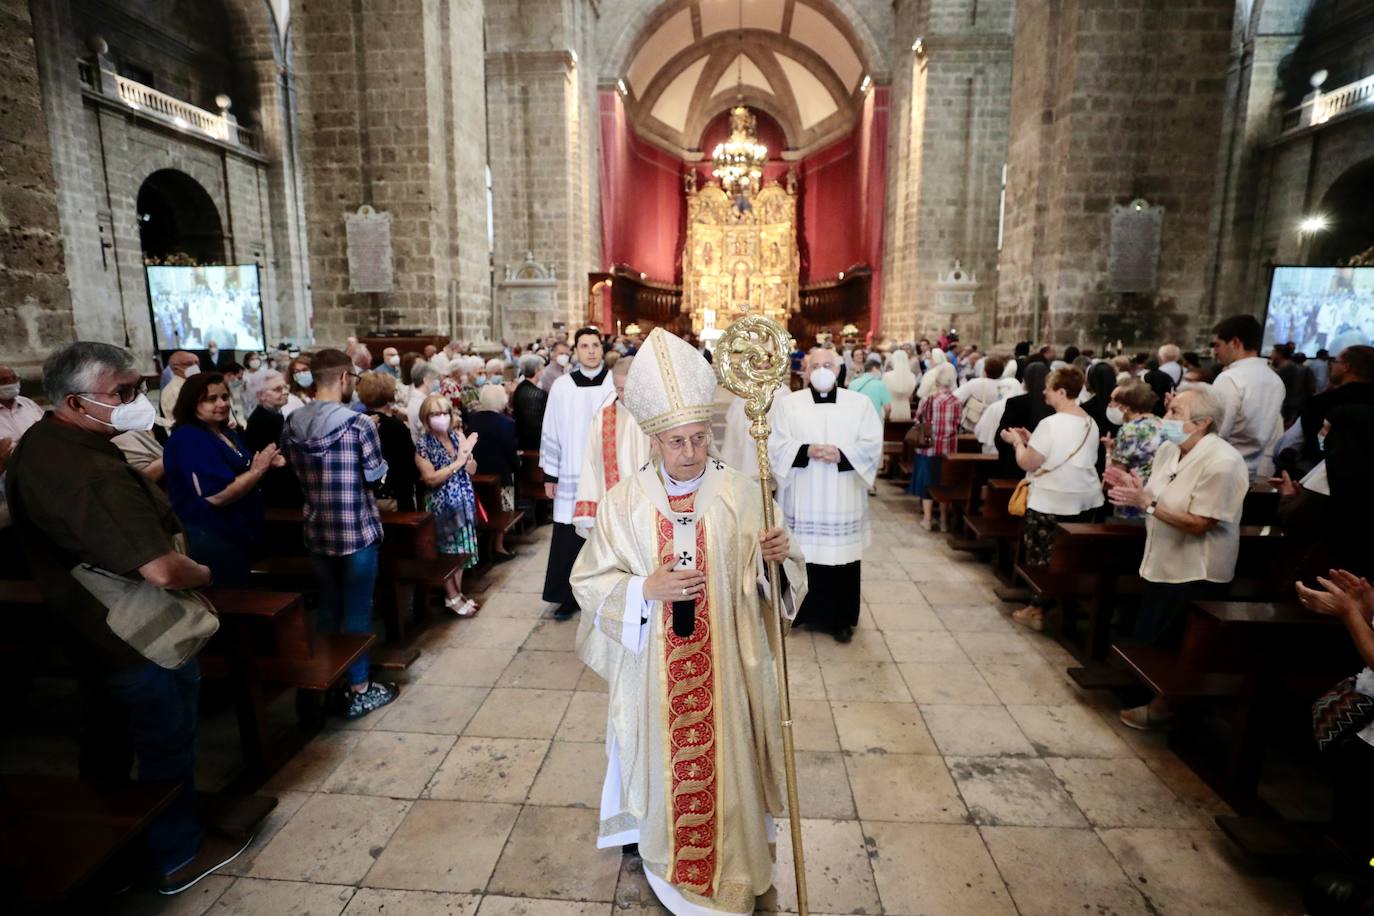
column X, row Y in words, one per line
column 1150, row 509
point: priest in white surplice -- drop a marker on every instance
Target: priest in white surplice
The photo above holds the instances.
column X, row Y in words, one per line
column 616, row 447
column 826, row 445
column 738, row 449
column 573, row 399
column 675, row 621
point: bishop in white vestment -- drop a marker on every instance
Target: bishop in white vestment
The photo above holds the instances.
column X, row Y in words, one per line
column 616, row 447
column 825, row 450
column 573, row 399
column 675, row 621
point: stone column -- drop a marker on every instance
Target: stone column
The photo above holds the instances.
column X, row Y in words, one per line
column 949, row 144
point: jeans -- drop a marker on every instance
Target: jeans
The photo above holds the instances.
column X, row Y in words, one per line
column 161, row 710
column 346, row 585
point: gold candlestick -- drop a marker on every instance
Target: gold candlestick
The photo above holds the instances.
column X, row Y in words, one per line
column 752, row 360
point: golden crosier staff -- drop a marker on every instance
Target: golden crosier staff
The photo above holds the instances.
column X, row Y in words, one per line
column 752, row 360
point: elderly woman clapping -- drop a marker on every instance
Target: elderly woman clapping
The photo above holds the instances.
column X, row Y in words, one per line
column 1192, row 503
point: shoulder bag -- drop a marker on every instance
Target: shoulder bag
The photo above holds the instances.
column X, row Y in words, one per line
column 166, row 626
column 1016, row 505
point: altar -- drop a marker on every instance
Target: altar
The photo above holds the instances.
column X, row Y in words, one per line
column 740, row 256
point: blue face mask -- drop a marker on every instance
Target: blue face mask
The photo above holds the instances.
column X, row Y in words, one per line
column 1321, row 442
column 1173, row 431
column 480, row 380
column 304, row 379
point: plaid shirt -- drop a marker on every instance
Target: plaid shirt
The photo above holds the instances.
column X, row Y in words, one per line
column 941, row 411
column 335, row 471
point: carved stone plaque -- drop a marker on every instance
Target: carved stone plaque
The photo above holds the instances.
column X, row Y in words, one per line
column 1133, row 256
column 369, row 251
column 954, row 302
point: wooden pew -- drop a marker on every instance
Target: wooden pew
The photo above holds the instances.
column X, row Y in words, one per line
column 894, row 434
column 962, row 475
column 1093, row 563
column 967, row 444
column 56, row 834
column 994, row 525
column 1252, row 653
column 487, row 487
column 266, row 642
column 529, row 486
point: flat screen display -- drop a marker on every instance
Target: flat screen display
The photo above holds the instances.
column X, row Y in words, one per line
column 1320, row 308
column 193, row 306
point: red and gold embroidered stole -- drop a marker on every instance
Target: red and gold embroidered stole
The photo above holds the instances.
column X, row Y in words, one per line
column 693, row 786
column 610, row 461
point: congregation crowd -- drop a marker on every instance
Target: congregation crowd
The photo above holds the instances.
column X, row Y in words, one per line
column 176, row 492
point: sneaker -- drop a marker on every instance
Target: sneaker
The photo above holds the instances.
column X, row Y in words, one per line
column 374, row 697
column 215, row 853
column 1143, row 719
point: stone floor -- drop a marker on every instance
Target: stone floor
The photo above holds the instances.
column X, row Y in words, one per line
column 947, row 766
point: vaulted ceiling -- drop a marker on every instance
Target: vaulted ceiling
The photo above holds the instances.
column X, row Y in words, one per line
column 798, row 60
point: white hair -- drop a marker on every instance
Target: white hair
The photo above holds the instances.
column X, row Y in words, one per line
column 74, row 368
column 1207, row 405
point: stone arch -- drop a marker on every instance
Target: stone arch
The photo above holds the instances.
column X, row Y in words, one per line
column 650, row 12
column 1350, row 218
column 177, row 216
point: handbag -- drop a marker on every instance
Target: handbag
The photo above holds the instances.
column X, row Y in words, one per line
column 1340, row 714
column 921, row 434
column 1016, row 504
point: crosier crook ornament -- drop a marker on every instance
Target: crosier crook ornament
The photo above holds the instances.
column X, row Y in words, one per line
column 751, row 361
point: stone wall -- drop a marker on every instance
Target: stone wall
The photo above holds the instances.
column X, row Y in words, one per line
column 1111, row 101
column 541, row 109
column 388, row 119
column 35, row 306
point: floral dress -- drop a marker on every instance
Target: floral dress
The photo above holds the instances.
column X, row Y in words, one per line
column 1136, row 443
column 453, row 504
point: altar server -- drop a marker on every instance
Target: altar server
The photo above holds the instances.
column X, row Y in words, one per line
column 573, row 400
column 675, row 620
column 825, row 451
column 616, row 447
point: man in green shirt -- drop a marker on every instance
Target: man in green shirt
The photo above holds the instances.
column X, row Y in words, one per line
column 870, row 384
column 75, row 500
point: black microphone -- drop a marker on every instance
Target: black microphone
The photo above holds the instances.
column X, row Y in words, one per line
column 684, row 618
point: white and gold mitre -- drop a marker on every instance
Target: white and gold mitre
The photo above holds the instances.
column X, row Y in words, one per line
column 669, row 385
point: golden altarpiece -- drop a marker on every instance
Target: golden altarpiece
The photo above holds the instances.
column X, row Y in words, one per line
column 740, row 256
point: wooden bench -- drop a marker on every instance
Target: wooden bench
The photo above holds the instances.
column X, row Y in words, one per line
column 488, row 490
column 1094, row 563
column 529, row 486
column 1255, row 654
column 56, row 834
column 962, row 476
column 894, row 435
column 266, row 642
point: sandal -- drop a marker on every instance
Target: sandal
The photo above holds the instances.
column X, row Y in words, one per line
column 1030, row 617
column 461, row 606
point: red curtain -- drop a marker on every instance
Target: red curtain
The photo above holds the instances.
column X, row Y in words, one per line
column 843, row 199
column 641, row 198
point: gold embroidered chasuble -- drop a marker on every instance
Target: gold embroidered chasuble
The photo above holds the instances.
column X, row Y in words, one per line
column 693, row 738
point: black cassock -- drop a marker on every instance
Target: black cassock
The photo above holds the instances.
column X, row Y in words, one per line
column 832, row 597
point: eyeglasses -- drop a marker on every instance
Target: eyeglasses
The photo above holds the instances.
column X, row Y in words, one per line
column 127, row 394
column 678, row 443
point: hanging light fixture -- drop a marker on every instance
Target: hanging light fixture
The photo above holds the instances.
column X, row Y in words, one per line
column 738, row 162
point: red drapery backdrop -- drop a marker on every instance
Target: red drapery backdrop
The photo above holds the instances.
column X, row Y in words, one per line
column 843, row 194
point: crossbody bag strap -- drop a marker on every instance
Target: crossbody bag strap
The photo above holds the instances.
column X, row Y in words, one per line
column 1086, row 433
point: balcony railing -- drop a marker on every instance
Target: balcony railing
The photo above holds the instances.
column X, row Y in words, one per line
column 1320, row 107
column 159, row 106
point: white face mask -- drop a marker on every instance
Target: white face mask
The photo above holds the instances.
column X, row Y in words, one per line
column 1114, row 415
column 190, row 371
column 822, row 379
column 254, row 365
column 138, row 414
column 561, row 359
column 440, row 423
column 9, row 392
column 393, row 360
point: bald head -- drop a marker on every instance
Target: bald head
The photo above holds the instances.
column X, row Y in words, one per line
column 619, row 372
column 180, row 361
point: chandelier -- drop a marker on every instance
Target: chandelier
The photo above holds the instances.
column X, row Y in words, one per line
column 739, row 161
